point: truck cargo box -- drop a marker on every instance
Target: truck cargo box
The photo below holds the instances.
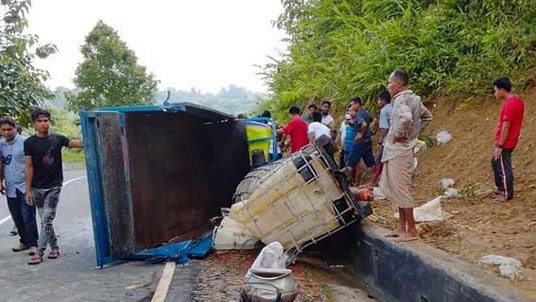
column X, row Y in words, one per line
column 158, row 173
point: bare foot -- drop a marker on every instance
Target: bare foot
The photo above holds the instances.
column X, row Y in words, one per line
column 500, row 200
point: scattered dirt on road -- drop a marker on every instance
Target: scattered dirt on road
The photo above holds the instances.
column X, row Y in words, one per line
column 221, row 275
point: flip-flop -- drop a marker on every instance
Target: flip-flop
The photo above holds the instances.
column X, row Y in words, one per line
column 20, row 248
column 35, row 259
column 54, row 254
column 32, row 251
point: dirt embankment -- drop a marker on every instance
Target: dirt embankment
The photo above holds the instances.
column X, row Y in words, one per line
column 477, row 227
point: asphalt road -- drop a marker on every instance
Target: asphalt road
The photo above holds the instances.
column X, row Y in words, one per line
column 72, row 277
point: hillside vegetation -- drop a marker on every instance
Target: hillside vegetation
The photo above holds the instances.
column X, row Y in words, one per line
column 341, row 48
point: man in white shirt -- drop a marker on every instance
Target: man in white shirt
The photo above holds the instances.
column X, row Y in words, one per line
column 319, row 134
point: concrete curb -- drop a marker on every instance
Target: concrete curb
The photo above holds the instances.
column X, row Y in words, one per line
column 416, row 272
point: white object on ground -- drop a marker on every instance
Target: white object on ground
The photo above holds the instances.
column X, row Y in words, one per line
column 430, row 211
column 415, row 164
column 377, row 193
column 232, row 235
column 509, row 267
column 452, row 193
column 443, row 137
column 446, row 183
column 271, row 256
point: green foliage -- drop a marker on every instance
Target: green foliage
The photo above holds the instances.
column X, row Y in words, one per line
column 429, row 141
column 21, row 84
column 71, row 155
column 469, row 189
column 341, row 48
column 109, row 74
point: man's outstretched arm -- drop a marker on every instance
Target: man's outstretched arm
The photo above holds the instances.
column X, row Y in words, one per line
column 76, row 144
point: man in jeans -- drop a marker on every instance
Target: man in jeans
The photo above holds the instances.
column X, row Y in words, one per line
column 12, row 171
column 44, row 177
column 384, row 102
column 362, row 143
column 506, row 137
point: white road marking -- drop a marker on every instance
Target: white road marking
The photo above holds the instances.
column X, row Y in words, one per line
column 64, row 184
column 72, row 180
column 163, row 286
column 5, row 219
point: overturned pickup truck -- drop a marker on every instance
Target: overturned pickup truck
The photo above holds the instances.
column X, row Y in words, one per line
column 159, row 174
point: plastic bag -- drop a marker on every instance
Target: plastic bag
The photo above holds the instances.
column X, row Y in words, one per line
column 443, row 137
column 446, row 183
column 268, row 279
column 430, row 211
column 509, row 267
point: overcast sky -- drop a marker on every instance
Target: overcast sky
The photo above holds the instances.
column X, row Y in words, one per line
column 206, row 44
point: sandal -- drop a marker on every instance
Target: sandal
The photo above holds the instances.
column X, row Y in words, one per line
column 32, row 251
column 20, row 248
column 54, row 254
column 35, row 259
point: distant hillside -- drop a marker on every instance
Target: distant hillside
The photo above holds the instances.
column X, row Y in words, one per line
column 233, row 99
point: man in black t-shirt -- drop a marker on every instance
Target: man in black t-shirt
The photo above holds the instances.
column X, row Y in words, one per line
column 44, row 177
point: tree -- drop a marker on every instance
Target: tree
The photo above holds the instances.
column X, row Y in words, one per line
column 344, row 48
column 110, row 74
column 21, row 84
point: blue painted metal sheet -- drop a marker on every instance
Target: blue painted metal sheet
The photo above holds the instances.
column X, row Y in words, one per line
column 169, row 252
column 190, row 108
column 201, row 248
column 98, row 213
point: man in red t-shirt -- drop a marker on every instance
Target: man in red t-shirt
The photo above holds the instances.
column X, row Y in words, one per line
column 296, row 129
column 506, row 137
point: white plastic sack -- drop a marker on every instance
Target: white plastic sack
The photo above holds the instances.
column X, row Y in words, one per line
column 271, row 256
column 430, row 211
column 452, row 193
column 232, row 235
column 443, row 137
column 446, row 183
column 509, row 267
column 377, row 193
